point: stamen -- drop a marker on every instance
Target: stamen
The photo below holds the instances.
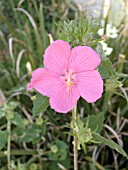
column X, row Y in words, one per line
column 69, row 79
column 69, row 85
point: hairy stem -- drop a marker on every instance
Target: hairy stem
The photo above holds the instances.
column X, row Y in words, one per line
column 75, row 139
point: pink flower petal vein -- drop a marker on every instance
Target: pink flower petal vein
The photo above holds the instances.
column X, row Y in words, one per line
column 67, row 75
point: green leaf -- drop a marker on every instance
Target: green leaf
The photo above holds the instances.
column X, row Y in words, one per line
column 100, row 52
column 3, row 138
column 119, row 94
column 61, row 153
column 109, row 143
column 18, row 120
column 33, row 133
column 40, row 104
column 65, row 163
column 121, row 75
column 79, row 122
column 95, row 122
column 68, row 133
column 2, row 112
column 84, row 148
column 112, row 84
column 92, row 166
column 21, row 166
column 106, row 69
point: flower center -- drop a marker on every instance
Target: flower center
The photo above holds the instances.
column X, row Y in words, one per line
column 69, row 78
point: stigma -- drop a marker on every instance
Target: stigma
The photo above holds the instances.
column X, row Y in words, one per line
column 69, row 78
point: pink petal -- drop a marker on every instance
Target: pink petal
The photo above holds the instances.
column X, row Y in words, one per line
column 45, row 82
column 90, row 85
column 56, row 56
column 64, row 100
column 83, row 58
column 29, row 87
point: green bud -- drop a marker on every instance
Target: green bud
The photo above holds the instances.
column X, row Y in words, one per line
column 25, row 122
column 84, row 135
column 39, row 121
column 5, row 152
column 33, row 98
column 33, row 166
column 54, row 148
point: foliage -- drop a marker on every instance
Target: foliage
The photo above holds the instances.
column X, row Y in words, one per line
column 95, row 122
column 3, row 138
column 110, row 143
column 79, row 32
column 89, row 130
column 58, row 150
column 40, row 104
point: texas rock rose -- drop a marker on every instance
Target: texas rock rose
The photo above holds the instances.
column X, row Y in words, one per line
column 67, row 75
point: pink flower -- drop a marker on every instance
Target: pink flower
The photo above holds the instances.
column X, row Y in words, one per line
column 67, row 75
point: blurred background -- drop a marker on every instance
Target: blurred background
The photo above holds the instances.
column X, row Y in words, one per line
column 38, row 143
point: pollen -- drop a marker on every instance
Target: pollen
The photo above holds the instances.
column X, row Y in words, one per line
column 69, row 85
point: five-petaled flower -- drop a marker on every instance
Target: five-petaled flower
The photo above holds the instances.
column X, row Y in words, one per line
column 67, row 75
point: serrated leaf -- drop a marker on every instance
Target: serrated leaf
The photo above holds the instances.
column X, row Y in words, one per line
column 3, row 138
column 100, row 52
column 96, row 122
column 109, row 143
column 106, row 69
column 40, row 104
column 68, row 133
column 18, row 120
column 33, row 133
column 79, row 32
column 112, row 84
column 84, row 135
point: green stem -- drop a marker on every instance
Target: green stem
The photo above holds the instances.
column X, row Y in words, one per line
column 75, row 139
column 23, row 152
column 107, row 97
column 9, row 144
